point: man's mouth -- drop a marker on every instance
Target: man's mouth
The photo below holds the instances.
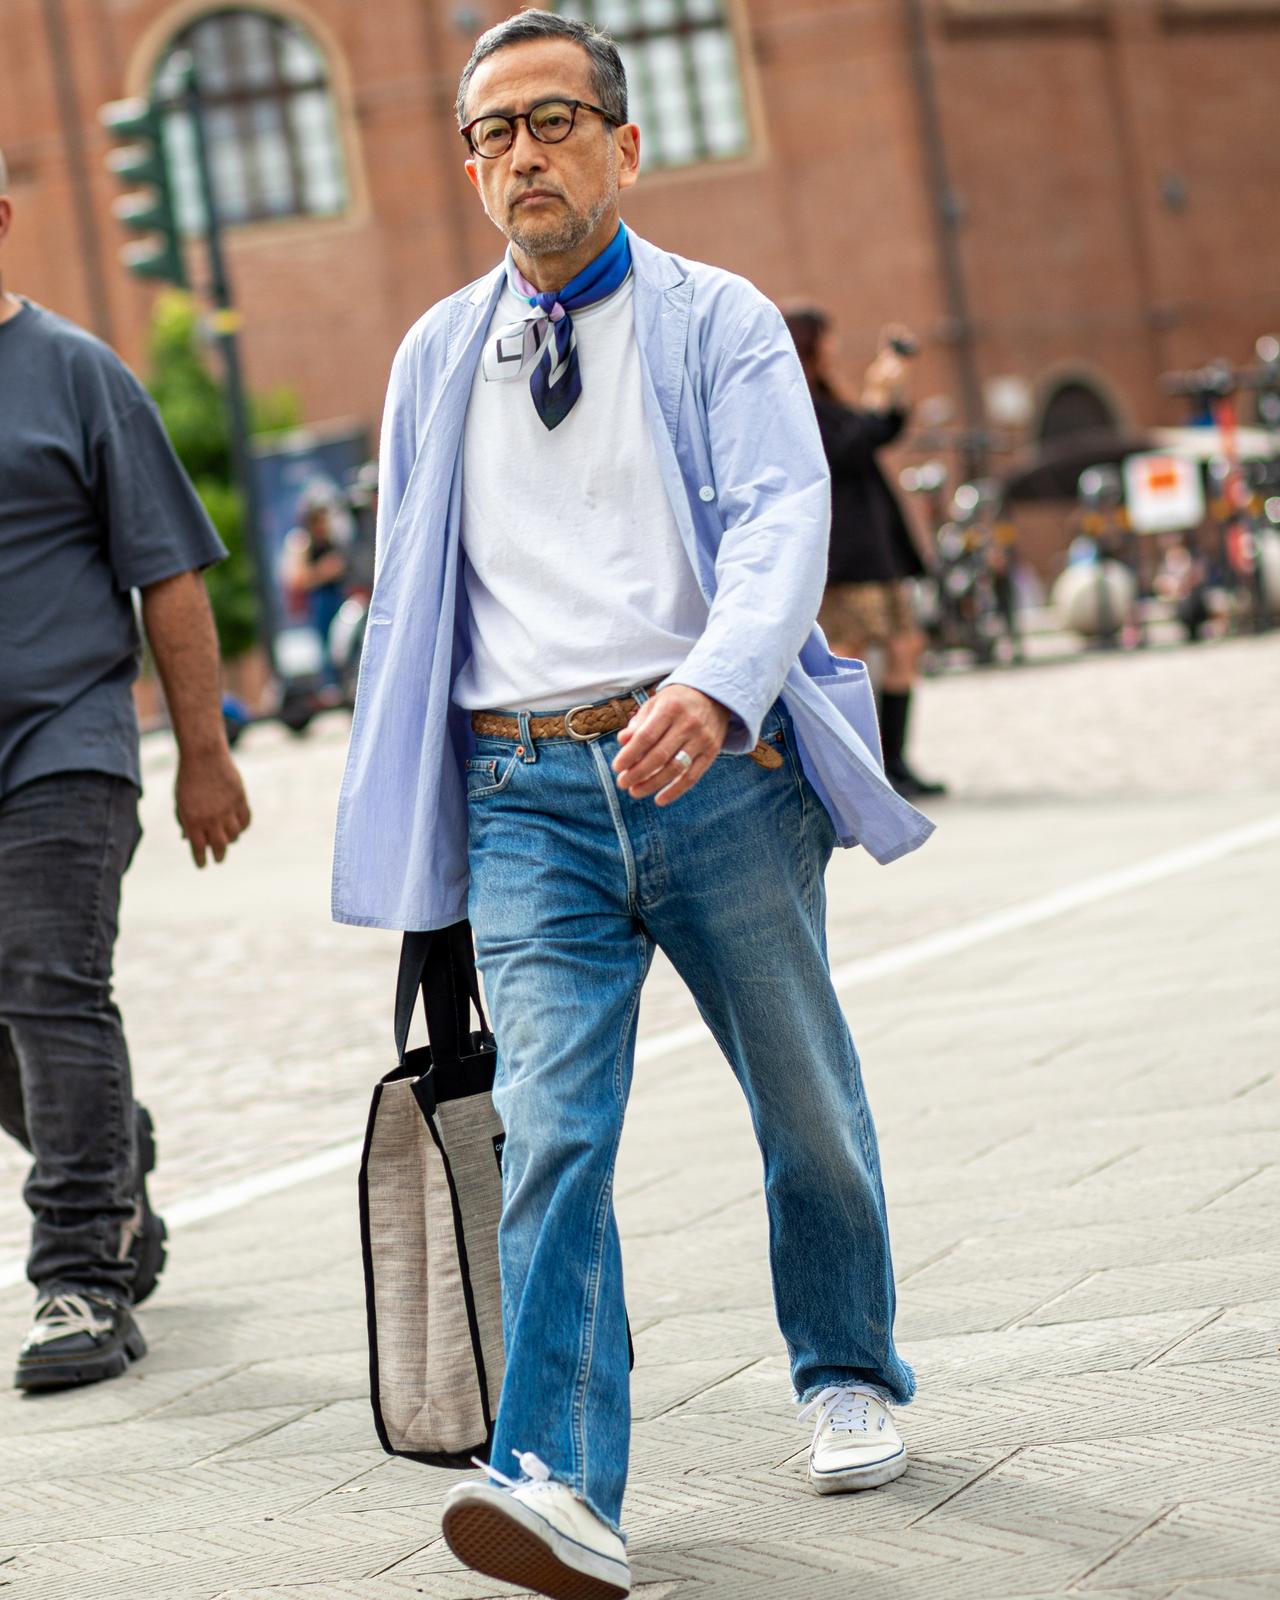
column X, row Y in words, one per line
column 534, row 194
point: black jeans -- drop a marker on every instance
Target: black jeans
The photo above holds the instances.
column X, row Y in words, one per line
column 65, row 1086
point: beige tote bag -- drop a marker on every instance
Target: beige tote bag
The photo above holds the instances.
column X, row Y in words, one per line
column 430, row 1200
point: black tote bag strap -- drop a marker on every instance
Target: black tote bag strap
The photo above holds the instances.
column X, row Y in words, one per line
column 440, row 964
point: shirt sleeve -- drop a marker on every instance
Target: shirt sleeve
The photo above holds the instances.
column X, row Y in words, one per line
column 774, row 493
column 152, row 517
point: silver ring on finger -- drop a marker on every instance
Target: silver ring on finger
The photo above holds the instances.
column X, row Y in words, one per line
column 683, row 760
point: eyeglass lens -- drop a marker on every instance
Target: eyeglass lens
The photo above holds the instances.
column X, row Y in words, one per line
column 550, row 122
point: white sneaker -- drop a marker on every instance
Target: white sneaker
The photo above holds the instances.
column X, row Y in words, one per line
column 537, row 1535
column 855, row 1444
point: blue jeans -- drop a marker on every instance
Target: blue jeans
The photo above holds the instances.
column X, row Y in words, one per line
column 573, row 883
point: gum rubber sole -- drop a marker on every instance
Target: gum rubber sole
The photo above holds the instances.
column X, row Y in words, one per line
column 487, row 1540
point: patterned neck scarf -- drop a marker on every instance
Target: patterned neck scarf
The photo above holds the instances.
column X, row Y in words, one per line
column 543, row 339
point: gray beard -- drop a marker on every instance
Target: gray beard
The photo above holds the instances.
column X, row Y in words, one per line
column 577, row 226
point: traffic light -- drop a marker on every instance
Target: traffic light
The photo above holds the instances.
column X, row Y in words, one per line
column 142, row 162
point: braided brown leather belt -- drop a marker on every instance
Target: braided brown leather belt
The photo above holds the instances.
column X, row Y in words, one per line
column 585, row 723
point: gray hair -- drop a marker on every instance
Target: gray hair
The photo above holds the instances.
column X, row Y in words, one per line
column 4, row 174
column 608, row 76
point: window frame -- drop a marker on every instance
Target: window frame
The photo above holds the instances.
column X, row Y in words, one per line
column 728, row 23
column 241, row 98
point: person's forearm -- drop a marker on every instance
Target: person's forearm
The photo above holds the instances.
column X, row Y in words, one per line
column 179, row 625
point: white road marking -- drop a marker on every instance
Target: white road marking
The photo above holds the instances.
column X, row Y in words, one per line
column 888, row 963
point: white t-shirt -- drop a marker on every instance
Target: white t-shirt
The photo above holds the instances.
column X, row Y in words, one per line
column 578, row 582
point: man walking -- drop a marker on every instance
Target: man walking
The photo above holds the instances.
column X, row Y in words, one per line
column 595, row 716
column 94, row 504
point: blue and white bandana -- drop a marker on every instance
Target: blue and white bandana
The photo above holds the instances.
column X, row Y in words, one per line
column 544, row 340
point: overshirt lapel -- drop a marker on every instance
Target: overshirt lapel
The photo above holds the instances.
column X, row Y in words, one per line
column 439, row 425
column 663, row 310
column 467, row 327
column 662, row 330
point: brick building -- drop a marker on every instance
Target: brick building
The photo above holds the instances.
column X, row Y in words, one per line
column 1064, row 197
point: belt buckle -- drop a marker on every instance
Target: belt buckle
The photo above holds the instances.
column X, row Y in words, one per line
column 582, row 738
column 586, row 738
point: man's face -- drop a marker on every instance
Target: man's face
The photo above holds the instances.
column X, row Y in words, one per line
column 549, row 198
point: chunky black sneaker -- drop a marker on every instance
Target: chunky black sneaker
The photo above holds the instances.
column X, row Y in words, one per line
column 146, row 1250
column 77, row 1339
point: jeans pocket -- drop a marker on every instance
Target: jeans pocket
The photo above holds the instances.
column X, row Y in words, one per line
column 773, row 734
column 486, row 775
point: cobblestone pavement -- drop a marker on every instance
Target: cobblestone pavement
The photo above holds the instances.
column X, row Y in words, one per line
column 1080, row 1117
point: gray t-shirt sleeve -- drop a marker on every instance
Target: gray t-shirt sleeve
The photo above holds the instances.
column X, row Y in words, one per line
column 155, row 523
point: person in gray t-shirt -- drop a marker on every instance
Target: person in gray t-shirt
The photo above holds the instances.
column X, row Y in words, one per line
column 93, row 505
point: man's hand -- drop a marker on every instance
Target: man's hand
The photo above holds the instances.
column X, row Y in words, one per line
column 677, row 718
column 211, row 805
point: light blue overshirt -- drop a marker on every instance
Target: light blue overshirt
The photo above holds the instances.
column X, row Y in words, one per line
column 742, row 462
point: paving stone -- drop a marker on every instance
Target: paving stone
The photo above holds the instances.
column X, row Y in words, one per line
column 1222, row 1281
column 1231, row 1536
column 101, row 1449
column 1012, row 1355
column 1240, row 1333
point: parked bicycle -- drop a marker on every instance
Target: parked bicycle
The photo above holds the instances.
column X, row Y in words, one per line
column 969, row 596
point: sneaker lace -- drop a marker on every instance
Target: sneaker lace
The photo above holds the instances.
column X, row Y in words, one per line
column 845, row 1410
column 535, row 1470
column 58, row 1315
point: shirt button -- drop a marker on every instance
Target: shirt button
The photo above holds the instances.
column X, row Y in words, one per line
column 706, row 492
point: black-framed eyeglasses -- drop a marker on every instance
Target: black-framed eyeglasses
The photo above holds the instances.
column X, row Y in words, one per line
column 550, row 122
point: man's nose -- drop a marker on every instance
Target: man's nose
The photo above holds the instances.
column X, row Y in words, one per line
column 527, row 153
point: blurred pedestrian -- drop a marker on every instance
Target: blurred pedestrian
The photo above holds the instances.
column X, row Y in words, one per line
column 869, row 601
column 315, row 570
column 95, row 504
column 593, row 682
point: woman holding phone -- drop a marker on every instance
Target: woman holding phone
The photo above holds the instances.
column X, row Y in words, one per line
column 873, row 559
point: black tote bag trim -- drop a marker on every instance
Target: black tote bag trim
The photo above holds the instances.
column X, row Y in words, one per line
column 469, row 1299
column 428, row 961
column 366, row 1259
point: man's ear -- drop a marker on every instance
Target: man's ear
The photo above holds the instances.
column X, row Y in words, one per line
column 472, row 173
column 627, row 140
column 6, row 215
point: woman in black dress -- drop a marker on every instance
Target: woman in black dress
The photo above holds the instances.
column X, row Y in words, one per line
column 873, row 559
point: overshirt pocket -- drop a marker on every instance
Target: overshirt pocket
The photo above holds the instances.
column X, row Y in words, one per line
column 849, row 690
column 487, row 775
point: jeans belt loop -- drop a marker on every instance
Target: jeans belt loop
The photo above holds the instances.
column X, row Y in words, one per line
column 526, row 738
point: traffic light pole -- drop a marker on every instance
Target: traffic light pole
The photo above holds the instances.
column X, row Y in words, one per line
column 226, row 324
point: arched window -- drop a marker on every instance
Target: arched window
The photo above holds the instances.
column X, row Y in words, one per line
column 274, row 148
column 682, row 72
column 1075, row 406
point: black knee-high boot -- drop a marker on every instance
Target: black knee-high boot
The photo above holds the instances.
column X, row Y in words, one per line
column 895, row 709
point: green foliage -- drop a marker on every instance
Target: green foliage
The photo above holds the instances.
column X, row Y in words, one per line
column 189, row 398
column 230, row 583
column 191, row 405
column 276, row 411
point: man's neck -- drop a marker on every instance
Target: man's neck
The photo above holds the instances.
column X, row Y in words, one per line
column 10, row 305
column 550, row 273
